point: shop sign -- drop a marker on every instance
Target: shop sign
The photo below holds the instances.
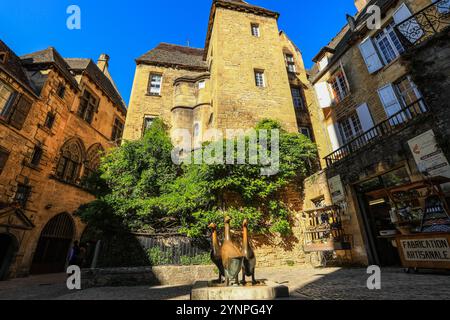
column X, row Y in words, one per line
column 428, row 156
column 429, row 250
column 336, row 189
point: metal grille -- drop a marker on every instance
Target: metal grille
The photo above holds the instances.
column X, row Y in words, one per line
column 60, row 227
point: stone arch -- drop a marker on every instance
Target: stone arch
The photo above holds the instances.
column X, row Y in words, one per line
column 54, row 244
column 93, row 157
column 8, row 249
column 72, row 155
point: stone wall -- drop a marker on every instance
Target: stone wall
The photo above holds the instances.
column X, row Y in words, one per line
column 147, row 276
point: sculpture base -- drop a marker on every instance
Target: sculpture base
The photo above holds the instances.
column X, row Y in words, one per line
column 204, row 290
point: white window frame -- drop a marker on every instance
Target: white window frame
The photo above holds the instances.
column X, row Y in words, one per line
column 256, row 32
column 350, row 121
column 157, row 91
column 290, row 62
column 260, row 78
column 387, row 33
column 342, row 86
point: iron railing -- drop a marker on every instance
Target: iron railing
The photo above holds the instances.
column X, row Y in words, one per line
column 424, row 24
column 395, row 123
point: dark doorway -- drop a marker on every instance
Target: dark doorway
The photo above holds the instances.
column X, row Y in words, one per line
column 8, row 248
column 54, row 245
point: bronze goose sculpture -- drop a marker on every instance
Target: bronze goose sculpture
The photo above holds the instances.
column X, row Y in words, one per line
column 249, row 263
column 231, row 256
column 216, row 251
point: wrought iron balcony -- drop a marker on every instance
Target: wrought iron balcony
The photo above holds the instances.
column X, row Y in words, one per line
column 395, row 123
column 424, row 24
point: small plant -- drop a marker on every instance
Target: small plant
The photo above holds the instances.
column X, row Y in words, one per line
column 158, row 257
column 290, row 263
column 198, row 260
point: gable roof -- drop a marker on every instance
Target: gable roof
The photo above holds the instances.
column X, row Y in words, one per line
column 50, row 56
column 344, row 39
column 170, row 55
column 87, row 66
column 13, row 67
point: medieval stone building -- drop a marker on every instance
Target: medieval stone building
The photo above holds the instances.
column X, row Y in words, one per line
column 56, row 118
column 249, row 70
column 380, row 91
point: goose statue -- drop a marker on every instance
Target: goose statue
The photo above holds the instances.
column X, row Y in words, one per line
column 231, row 256
column 216, row 251
column 249, row 263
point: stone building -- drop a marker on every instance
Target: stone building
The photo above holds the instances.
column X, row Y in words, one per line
column 372, row 102
column 248, row 71
column 56, row 117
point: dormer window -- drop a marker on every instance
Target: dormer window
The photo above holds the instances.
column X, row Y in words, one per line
column 3, row 57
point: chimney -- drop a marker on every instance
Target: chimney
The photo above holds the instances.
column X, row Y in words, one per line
column 102, row 62
column 361, row 4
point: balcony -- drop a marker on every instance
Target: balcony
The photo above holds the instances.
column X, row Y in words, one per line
column 394, row 124
column 424, row 24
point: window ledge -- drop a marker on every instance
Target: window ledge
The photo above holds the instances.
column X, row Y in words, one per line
column 46, row 130
column 31, row 166
column 153, row 95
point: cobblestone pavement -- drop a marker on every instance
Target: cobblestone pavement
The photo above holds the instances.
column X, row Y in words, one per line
column 304, row 284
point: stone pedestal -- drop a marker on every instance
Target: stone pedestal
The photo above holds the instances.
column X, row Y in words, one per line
column 204, row 290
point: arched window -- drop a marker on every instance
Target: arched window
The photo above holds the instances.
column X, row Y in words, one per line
column 71, row 158
column 93, row 156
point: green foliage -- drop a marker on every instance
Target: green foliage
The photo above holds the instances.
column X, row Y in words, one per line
column 147, row 191
column 198, row 260
column 157, row 257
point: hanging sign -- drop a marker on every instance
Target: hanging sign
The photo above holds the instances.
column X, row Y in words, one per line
column 430, row 250
column 336, row 189
column 428, row 156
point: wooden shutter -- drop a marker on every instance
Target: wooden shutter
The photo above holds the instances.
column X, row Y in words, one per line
column 335, row 138
column 20, row 112
column 411, row 29
column 365, row 117
column 323, row 94
column 390, row 102
column 370, row 55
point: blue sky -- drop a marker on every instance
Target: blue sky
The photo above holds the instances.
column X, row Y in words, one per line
column 127, row 29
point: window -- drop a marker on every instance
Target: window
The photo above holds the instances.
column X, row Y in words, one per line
column 407, row 91
column 50, row 120
column 93, row 156
column 61, row 91
column 255, row 30
column 148, row 122
column 69, row 164
column 290, row 63
column 388, row 44
column 7, row 95
column 154, row 87
column 306, row 132
column 117, row 130
column 37, row 156
column 297, row 97
column 323, row 63
column 259, row 78
column 88, row 105
column 22, row 195
column 3, row 159
column 350, row 128
column 3, row 57
column 339, row 86
column 202, row 84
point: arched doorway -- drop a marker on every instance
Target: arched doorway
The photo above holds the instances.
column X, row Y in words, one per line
column 54, row 245
column 8, row 248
